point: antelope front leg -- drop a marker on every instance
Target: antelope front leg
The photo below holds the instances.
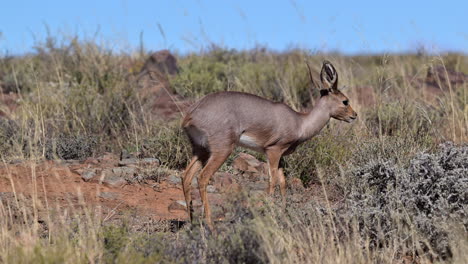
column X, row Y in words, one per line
column 282, row 184
column 271, row 180
column 273, row 156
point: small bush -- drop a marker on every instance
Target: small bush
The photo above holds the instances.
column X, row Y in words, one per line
column 115, row 239
column 389, row 200
column 70, row 147
column 402, row 119
column 169, row 145
column 8, row 136
column 327, row 150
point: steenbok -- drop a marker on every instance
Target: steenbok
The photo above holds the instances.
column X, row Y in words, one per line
column 221, row 121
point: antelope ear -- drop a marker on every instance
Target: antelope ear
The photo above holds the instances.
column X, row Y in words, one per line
column 329, row 76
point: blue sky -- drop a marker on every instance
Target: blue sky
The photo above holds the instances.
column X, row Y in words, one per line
column 190, row 25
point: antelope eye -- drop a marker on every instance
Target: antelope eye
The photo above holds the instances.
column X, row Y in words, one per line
column 345, row 102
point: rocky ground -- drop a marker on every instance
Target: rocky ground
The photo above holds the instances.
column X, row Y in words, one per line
column 117, row 186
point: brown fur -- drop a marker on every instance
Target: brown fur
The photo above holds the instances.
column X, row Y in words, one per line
column 221, row 121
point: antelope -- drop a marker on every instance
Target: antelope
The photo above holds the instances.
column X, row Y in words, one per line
column 220, row 121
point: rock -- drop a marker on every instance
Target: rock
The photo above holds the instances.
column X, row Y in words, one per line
column 177, row 205
column 223, row 180
column 211, row 189
column 91, row 161
column 128, row 155
column 88, row 174
column 112, row 180
column 215, row 198
column 248, row 163
column 134, row 162
column 6, row 196
column 66, row 162
column 60, row 162
column 295, row 198
column 194, row 182
column 161, row 61
column 109, row 195
column 258, row 193
column 15, row 161
column 128, row 162
column 174, row 179
column 124, row 172
column 195, row 194
column 153, row 76
column 295, row 184
column 260, row 185
column 109, row 158
column 150, row 161
column 217, row 212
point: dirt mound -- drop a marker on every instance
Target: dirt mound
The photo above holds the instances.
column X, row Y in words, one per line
column 153, row 77
column 155, row 89
column 8, row 104
column 439, row 80
column 441, row 77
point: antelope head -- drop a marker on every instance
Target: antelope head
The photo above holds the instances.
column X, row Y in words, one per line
column 337, row 103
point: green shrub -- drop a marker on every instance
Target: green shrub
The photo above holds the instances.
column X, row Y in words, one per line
column 404, row 119
column 328, row 151
column 169, row 145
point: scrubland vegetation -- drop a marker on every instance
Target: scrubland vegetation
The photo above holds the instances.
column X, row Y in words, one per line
column 401, row 170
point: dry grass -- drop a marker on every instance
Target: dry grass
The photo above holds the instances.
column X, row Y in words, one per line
column 84, row 93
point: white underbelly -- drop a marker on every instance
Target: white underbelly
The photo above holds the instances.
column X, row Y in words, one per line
column 250, row 143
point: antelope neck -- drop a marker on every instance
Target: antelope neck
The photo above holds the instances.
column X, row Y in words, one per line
column 314, row 121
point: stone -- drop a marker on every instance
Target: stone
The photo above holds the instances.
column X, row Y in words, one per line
column 128, row 162
column 124, row 172
column 150, row 161
column 177, row 205
column 295, row 184
column 109, row 195
column 109, row 158
column 71, row 161
column 133, row 162
column 295, row 198
column 194, row 182
column 6, row 196
column 15, row 161
column 211, row 189
column 174, row 179
column 215, row 198
column 161, row 61
column 60, row 162
column 88, row 174
column 112, row 180
column 217, row 212
column 154, row 73
column 223, row 180
column 260, row 185
column 248, row 163
column 91, row 161
column 258, row 193
column 124, row 154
